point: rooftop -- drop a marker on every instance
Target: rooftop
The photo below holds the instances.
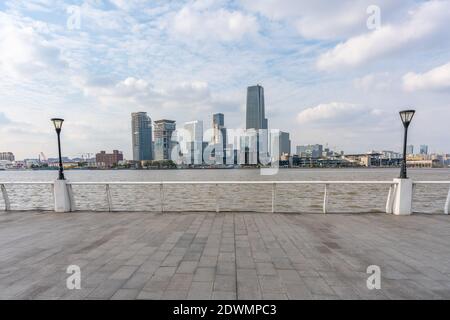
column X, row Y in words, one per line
column 223, row 256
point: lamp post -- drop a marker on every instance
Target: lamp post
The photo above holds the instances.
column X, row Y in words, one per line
column 406, row 117
column 58, row 124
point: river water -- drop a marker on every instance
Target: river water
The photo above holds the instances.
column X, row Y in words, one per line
column 289, row 198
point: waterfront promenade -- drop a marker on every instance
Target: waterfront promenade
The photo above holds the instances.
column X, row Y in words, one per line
column 126, row 255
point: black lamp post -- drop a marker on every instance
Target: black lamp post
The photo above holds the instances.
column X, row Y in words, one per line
column 406, row 117
column 58, row 124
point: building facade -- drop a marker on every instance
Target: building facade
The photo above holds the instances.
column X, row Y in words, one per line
column 141, row 129
column 410, row 149
column 108, row 160
column 9, row 156
column 193, row 146
column 280, row 144
column 255, row 114
column 163, row 130
column 310, row 151
column 219, row 137
column 424, row 149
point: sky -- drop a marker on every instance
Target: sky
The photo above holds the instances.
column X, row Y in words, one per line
column 334, row 72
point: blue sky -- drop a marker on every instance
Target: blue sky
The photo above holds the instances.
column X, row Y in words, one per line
column 328, row 77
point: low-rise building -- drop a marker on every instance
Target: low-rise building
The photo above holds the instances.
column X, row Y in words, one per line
column 8, row 156
column 108, row 160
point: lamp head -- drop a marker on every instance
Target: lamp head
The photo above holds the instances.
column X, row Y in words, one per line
column 57, row 122
column 406, row 116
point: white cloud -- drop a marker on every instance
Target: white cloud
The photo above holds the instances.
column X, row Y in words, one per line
column 335, row 113
column 436, row 79
column 221, row 24
column 23, row 52
column 428, row 21
column 324, row 19
column 374, row 82
column 4, row 119
column 134, row 92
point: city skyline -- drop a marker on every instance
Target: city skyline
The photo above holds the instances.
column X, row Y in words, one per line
column 186, row 61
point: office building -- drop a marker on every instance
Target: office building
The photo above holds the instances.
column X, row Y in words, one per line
column 310, row 151
column 255, row 115
column 141, row 129
column 424, row 149
column 108, row 160
column 410, row 149
column 163, row 130
column 193, row 146
column 9, row 156
column 219, row 137
column 280, row 144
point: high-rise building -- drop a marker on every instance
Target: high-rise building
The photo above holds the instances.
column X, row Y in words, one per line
column 218, row 120
column 9, row 156
column 256, row 120
column 255, row 116
column 424, row 149
column 410, row 149
column 163, row 130
column 194, row 143
column 219, row 135
column 280, row 144
column 285, row 143
column 141, row 129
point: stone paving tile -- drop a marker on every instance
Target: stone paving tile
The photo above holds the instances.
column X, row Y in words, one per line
column 106, row 289
column 204, row 274
column 200, row 290
column 125, row 294
column 187, row 267
column 223, row 256
column 225, row 283
column 224, row 295
column 123, row 273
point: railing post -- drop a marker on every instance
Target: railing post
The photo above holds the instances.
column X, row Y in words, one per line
column 403, row 197
column 61, row 196
column 273, row 196
column 5, row 197
column 217, row 198
column 447, row 203
column 325, row 199
column 71, row 197
column 108, row 196
column 161, row 196
column 390, row 199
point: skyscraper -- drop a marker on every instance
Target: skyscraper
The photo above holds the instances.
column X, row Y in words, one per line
column 410, row 149
column 219, row 136
column 194, row 143
column 163, row 138
column 280, row 144
column 141, row 131
column 424, row 149
column 255, row 116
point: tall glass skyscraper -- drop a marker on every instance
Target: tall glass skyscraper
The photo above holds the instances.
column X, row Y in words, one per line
column 220, row 132
column 141, row 130
column 194, row 144
column 255, row 117
column 219, row 137
column 163, row 139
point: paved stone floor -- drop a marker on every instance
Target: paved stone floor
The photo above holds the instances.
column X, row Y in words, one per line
column 223, row 256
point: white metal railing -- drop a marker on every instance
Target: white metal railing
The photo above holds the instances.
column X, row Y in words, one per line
column 5, row 192
column 217, row 183
column 447, row 201
column 389, row 204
